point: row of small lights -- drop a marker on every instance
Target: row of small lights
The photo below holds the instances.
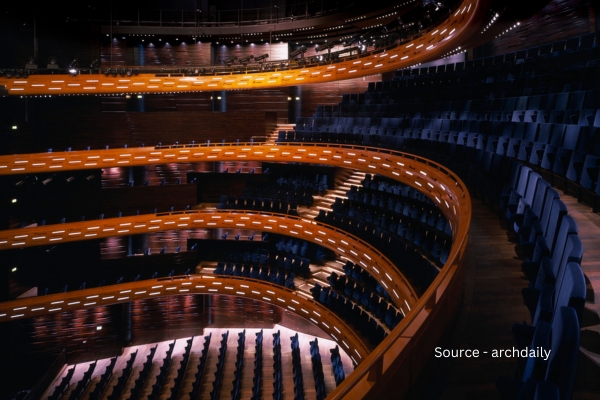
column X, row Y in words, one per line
column 304, row 29
column 373, row 26
column 509, row 29
column 334, row 27
column 387, row 15
column 356, row 19
column 489, row 25
column 454, row 52
column 318, row 36
column 404, row 4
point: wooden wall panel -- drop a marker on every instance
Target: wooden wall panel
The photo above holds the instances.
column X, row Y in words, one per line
column 276, row 51
column 331, row 93
column 260, row 100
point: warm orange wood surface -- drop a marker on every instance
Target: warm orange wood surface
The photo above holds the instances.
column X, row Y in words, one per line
column 294, row 301
column 342, row 243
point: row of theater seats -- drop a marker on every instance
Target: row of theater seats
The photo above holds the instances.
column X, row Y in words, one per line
column 284, row 258
column 297, row 369
column 283, row 188
column 143, row 376
column 239, row 366
column 377, row 304
column 417, row 252
column 555, row 296
column 570, row 151
column 277, row 370
column 578, row 108
column 262, row 204
column 123, row 378
column 183, row 365
column 258, row 370
column 566, row 47
column 256, row 271
column 104, row 379
column 83, row 383
column 317, row 368
column 350, row 312
column 162, row 375
column 336, row 366
column 571, row 107
column 198, row 376
column 216, row 384
column 62, row 386
column 422, row 224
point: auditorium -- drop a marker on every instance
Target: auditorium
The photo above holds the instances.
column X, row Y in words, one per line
column 300, row 199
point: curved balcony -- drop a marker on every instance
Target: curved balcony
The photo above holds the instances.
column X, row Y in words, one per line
column 397, row 360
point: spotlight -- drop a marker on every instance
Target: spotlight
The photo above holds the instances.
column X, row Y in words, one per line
column 230, row 61
column 244, row 61
column 9, row 74
column 300, row 50
column 73, row 67
column 261, row 58
column 52, row 63
column 325, row 46
column 129, row 72
column 31, row 64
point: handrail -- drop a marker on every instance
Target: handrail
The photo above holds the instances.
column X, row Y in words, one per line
column 348, row 246
column 294, row 301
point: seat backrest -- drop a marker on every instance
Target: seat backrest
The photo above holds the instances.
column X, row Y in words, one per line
column 539, row 198
column 571, row 288
column 532, row 184
column 572, row 252
column 523, row 180
column 557, row 212
column 567, row 227
column 564, row 347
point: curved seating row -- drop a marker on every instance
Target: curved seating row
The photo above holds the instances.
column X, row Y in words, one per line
column 336, row 366
column 183, row 365
column 297, row 368
column 123, row 378
column 358, row 293
column 350, row 311
column 256, row 271
column 62, row 386
column 160, row 378
column 277, row 371
column 83, row 383
column 104, row 379
column 317, row 368
column 141, row 380
column 239, row 366
column 199, row 375
column 216, row 384
column 257, row 379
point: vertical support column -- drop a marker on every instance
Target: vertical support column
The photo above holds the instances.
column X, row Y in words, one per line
column 294, row 103
column 219, row 101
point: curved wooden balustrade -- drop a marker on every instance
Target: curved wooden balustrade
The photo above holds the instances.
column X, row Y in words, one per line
column 397, row 361
column 432, row 44
column 291, row 300
column 341, row 242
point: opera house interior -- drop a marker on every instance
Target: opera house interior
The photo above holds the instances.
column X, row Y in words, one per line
column 300, row 199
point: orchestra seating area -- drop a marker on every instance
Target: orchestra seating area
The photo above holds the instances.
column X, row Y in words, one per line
column 235, row 366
